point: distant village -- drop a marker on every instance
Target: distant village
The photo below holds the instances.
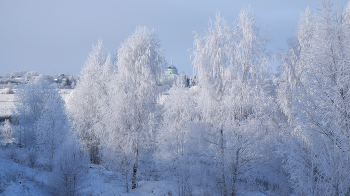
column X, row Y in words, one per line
column 12, row 80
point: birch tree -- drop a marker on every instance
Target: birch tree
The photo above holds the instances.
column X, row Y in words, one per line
column 52, row 126
column 231, row 63
column 318, row 159
column 140, row 63
column 29, row 105
column 211, row 62
column 176, row 146
column 87, row 103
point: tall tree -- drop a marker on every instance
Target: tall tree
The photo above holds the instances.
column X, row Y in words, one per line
column 211, row 63
column 87, row 103
column 52, row 126
column 29, row 105
column 231, row 64
column 174, row 140
column 318, row 158
column 140, row 63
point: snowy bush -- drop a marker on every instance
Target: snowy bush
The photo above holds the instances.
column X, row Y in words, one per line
column 22, row 156
column 7, row 91
column 12, row 154
column 69, row 170
column 20, row 74
column 31, row 158
column 11, row 175
column 72, row 82
column 7, row 177
column 6, row 132
column 30, row 75
column 42, row 78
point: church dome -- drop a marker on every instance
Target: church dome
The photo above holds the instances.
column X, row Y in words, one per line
column 171, row 69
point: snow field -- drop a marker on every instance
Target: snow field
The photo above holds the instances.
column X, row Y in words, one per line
column 17, row 179
column 7, row 104
column 7, row 101
column 104, row 182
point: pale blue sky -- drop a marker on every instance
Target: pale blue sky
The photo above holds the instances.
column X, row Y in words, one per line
column 57, row 36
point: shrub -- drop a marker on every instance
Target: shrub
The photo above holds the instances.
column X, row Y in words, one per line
column 69, row 170
column 7, row 91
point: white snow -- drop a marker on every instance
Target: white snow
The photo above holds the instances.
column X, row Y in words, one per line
column 7, row 104
column 7, row 101
column 25, row 181
column 103, row 182
column 18, row 180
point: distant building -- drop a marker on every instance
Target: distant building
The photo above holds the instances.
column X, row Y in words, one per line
column 170, row 70
column 172, row 76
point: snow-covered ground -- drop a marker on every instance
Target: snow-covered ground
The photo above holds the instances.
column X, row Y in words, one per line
column 19, row 180
column 6, row 104
column 24, row 181
column 103, row 182
column 7, row 101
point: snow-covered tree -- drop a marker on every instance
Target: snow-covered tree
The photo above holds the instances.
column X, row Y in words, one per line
column 174, row 140
column 72, row 82
column 69, row 170
column 87, row 102
column 211, row 64
column 231, row 64
column 7, row 132
column 29, row 100
column 293, row 63
column 18, row 74
column 318, row 149
column 133, row 99
column 52, row 126
column 31, row 75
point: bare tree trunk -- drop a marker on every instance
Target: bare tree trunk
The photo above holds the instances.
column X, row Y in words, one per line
column 74, row 188
column 134, row 170
column 93, row 149
column 222, row 147
column 235, row 174
column 96, row 157
column 126, row 180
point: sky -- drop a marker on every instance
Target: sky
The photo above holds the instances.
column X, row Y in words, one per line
column 53, row 37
